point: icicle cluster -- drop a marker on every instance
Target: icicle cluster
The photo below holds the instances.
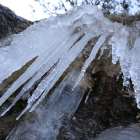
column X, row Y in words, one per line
column 56, row 41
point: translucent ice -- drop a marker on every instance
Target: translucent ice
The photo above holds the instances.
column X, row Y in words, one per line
column 92, row 56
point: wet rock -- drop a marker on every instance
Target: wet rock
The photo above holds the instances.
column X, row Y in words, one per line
column 107, row 106
column 10, row 23
column 8, row 121
column 123, row 18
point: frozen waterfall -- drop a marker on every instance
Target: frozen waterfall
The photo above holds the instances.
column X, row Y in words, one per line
column 57, row 41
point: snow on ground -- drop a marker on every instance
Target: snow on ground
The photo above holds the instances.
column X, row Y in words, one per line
column 35, row 10
column 25, row 8
column 31, row 9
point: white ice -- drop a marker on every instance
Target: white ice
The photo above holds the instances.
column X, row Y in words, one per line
column 92, row 56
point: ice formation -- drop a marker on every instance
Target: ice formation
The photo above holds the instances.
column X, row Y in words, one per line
column 131, row 132
column 56, row 43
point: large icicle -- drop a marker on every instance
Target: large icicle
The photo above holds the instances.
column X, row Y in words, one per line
column 30, row 71
column 56, row 73
column 135, row 70
column 41, row 87
column 37, row 38
column 92, row 56
column 50, row 57
column 18, row 53
column 59, row 32
column 65, row 62
column 62, row 49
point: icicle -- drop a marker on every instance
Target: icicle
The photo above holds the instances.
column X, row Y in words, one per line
column 25, row 76
column 15, row 100
column 38, row 91
column 50, row 61
column 102, row 50
column 23, row 112
column 118, row 75
column 63, row 49
column 109, row 53
column 87, row 96
column 119, row 42
column 135, row 70
column 93, row 70
column 24, row 47
column 92, row 56
column 64, row 63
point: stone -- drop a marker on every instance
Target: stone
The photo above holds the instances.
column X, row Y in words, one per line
column 10, row 23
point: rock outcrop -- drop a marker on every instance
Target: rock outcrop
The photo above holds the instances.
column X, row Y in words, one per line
column 10, row 23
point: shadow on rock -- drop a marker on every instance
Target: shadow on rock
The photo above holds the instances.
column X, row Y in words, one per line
column 109, row 105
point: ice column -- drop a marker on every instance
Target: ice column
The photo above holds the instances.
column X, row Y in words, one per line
column 92, row 56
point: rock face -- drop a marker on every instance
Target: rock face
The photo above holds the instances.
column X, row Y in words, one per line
column 107, row 106
column 8, row 121
column 10, row 23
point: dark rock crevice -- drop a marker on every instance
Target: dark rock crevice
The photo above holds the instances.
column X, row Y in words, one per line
column 10, row 23
column 107, row 106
